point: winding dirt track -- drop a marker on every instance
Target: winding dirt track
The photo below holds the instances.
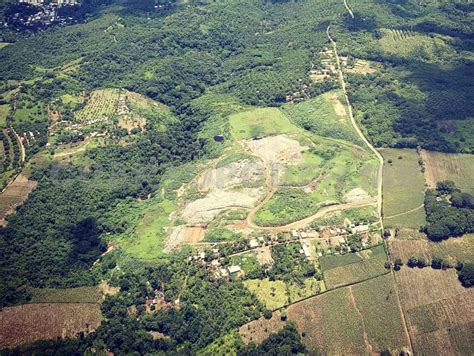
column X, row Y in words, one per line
column 348, row 8
column 357, row 128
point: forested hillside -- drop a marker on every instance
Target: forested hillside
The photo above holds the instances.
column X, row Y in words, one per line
column 134, row 116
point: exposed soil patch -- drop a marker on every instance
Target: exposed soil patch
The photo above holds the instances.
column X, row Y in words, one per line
column 31, row 322
column 357, row 194
column 232, row 175
column 259, row 330
column 14, row 196
column 264, row 255
column 204, row 210
column 277, row 149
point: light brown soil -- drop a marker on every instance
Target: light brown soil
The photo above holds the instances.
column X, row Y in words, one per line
column 441, row 166
column 31, row 322
column 264, row 255
column 259, row 330
column 194, row 235
column 15, row 195
column 105, row 289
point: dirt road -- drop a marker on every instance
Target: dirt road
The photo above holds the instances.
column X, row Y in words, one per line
column 357, row 128
column 348, row 8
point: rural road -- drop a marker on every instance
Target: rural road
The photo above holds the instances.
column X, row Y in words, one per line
column 348, row 8
column 357, row 128
column 22, row 148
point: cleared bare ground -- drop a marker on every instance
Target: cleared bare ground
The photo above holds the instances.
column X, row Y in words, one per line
column 446, row 166
column 15, row 195
column 30, row 322
column 438, row 310
column 232, row 175
column 258, row 330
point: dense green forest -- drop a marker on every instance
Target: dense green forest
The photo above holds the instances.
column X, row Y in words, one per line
column 201, row 59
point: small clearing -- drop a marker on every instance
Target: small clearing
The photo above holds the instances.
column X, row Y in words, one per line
column 15, row 195
column 184, row 235
column 355, row 195
column 449, row 166
column 259, row 330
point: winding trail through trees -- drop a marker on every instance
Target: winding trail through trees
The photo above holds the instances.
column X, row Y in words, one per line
column 348, row 9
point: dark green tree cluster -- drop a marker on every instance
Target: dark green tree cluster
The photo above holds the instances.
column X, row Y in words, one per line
column 466, row 274
column 447, row 217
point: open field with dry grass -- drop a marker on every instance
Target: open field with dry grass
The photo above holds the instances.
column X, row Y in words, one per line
column 30, row 322
column 330, row 323
column 448, row 166
column 453, row 249
column 403, row 188
column 258, row 330
column 438, row 310
column 377, row 302
column 14, row 195
column 275, row 294
column 369, row 264
column 358, row 319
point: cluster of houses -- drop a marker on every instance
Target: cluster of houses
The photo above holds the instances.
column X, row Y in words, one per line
column 47, row 13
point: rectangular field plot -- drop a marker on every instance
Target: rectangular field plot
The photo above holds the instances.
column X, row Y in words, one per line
column 448, row 166
column 31, row 322
column 377, row 301
column 353, row 320
column 403, row 188
column 353, row 267
column 439, row 311
column 453, row 249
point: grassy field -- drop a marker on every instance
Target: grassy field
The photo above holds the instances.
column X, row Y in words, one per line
column 454, row 249
column 4, row 110
column 403, row 188
column 447, row 166
column 286, row 206
column 260, row 122
column 303, row 173
column 368, row 264
column 377, row 302
column 148, row 240
column 68, row 295
column 275, row 294
column 225, row 345
column 330, row 323
column 31, row 322
column 247, row 261
column 324, row 115
column 437, row 309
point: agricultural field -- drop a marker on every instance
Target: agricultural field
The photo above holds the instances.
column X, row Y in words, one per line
column 276, row 294
column 15, row 195
column 377, row 302
column 449, row 166
column 438, row 310
column 406, row 44
column 450, row 250
column 101, row 104
column 353, row 267
column 352, row 320
column 31, row 322
column 403, row 188
column 330, row 323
